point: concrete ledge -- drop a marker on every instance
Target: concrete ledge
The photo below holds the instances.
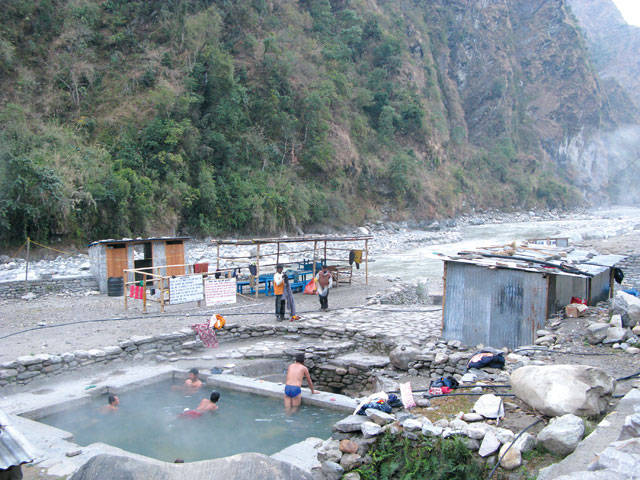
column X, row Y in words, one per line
column 276, row 390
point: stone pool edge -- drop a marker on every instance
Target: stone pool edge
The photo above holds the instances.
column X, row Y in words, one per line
column 53, row 444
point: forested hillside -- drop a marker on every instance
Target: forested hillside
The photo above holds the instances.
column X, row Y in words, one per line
column 205, row 117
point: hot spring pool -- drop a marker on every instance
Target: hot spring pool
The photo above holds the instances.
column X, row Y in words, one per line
column 149, row 422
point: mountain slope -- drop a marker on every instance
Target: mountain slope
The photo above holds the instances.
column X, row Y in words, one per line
column 204, row 117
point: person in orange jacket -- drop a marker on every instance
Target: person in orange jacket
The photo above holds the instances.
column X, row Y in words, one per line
column 278, row 290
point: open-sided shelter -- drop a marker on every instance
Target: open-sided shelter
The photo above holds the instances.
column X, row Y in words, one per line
column 110, row 258
column 315, row 250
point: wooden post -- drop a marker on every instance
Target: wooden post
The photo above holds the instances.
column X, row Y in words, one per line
column 218, row 258
column 144, row 293
column 26, row 272
column 444, row 295
column 258, row 272
column 278, row 253
column 124, row 283
column 325, row 252
column 315, row 246
column 162, row 295
column 366, row 262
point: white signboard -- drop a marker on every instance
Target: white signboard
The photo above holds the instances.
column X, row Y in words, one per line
column 185, row 289
column 218, row 291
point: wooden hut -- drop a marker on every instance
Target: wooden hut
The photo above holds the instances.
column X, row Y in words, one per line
column 110, row 258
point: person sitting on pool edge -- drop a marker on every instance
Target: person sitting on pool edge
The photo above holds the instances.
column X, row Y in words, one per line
column 209, row 404
column 292, row 390
column 113, row 402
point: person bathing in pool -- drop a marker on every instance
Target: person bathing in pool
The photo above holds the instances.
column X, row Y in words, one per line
column 292, row 390
column 112, row 404
column 209, row 404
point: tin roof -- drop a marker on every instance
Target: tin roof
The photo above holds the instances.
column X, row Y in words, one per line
column 137, row 240
column 548, row 259
column 15, row 449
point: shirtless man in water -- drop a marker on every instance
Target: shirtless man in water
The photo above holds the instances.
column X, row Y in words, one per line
column 113, row 402
column 292, row 390
column 193, row 382
column 209, row 404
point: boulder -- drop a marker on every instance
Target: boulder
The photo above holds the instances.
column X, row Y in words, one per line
column 350, row 424
column 349, row 461
column 430, row 430
column 477, row 431
column 598, row 475
column 560, row 389
column 379, row 417
column 562, row 435
column 348, row 446
column 615, row 335
column 411, row 425
column 331, row 470
column 370, row 429
column 489, row 406
column 525, row 443
column 400, row 357
column 490, row 444
column 511, row 457
column 628, row 307
column 631, row 427
column 245, row 466
column 597, row 332
column 621, row 457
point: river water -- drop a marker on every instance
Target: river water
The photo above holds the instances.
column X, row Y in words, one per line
column 416, row 263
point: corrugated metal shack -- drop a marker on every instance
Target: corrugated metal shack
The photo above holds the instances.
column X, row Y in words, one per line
column 499, row 296
column 15, row 449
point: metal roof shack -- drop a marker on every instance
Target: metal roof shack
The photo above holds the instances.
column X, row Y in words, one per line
column 15, row 449
column 110, row 258
column 500, row 296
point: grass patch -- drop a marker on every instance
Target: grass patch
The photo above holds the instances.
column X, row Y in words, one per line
column 396, row 457
column 447, row 407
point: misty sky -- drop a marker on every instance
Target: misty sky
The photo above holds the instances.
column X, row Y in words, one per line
column 630, row 10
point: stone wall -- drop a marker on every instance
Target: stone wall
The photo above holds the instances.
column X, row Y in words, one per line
column 159, row 348
column 329, row 366
column 79, row 284
column 631, row 268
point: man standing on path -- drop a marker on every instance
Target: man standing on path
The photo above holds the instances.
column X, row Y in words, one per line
column 292, row 390
column 324, row 281
column 278, row 290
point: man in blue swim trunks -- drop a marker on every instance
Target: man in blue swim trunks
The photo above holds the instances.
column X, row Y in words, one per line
column 292, row 390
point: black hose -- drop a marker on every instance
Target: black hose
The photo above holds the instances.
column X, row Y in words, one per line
column 509, row 447
column 466, row 395
column 627, row 377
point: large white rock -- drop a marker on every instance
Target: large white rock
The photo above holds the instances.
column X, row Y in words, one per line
column 370, row 429
column 622, row 457
column 490, row 444
column 525, row 443
column 477, row 431
column 489, row 406
column 401, row 356
column 628, row 307
column 562, row 435
column 615, row 335
column 597, row 332
column 560, row 389
column 631, row 427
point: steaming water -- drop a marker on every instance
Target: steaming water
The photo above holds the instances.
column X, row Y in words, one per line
column 417, row 263
column 149, row 422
